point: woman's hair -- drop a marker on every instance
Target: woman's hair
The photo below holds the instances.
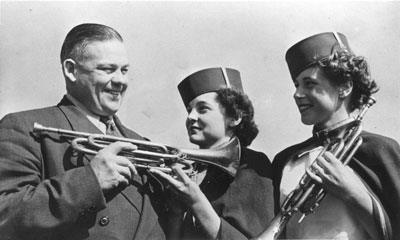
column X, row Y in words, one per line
column 237, row 104
column 342, row 66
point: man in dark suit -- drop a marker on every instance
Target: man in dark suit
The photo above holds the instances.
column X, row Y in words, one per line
column 48, row 191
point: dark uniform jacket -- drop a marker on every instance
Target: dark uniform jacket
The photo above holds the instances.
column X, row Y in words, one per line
column 47, row 191
column 377, row 162
column 244, row 204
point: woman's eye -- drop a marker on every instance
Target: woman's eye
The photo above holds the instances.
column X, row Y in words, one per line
column 203, row 109
column 310, row 84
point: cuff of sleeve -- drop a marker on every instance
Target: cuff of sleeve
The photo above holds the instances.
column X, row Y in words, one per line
column 87, row 194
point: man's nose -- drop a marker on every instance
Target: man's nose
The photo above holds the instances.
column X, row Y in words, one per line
column 120, row 78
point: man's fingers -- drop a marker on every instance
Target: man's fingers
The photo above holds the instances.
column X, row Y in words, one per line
column 117, row 147
column 125, row 162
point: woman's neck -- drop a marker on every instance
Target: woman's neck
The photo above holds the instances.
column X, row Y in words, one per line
column 339, row 115
column 216, row 143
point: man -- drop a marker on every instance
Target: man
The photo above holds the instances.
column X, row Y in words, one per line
column 48, row 191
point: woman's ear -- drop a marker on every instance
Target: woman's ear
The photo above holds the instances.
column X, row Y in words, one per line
column 69, row 68
column 345, row 89
column 235, row 122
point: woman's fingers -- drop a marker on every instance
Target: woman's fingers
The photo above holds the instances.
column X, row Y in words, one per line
column 168, row 178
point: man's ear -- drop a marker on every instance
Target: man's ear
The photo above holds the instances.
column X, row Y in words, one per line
column 235, row 122
column 69, row 68
column 345, row 89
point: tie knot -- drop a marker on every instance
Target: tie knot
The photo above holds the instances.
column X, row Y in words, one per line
column 111, row 129
column 105, row 120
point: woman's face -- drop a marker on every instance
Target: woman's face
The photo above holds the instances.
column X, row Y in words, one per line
column 317, row 99
column 207, row 123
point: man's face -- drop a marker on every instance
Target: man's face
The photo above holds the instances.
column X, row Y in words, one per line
column 101, row 77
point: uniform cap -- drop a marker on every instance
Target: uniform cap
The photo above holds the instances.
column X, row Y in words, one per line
column 312, row 49
column 208, row 80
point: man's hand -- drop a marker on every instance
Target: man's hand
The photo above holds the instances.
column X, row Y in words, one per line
column 113, row 170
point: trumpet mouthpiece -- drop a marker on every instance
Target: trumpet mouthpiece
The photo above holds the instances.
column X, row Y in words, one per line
column 37, row 127
column 371, row 101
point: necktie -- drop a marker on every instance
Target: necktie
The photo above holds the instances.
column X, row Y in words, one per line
column 111, row 129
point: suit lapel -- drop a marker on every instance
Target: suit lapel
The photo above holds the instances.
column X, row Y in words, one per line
column 76, row 117
column 149, row 218
column 79, row 122
column 121, row 128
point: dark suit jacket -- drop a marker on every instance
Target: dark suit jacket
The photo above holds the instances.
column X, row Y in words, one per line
column 49, row 192
column 244, row 203
column 377, row 162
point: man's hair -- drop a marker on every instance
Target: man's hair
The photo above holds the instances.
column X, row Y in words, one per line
column 237, row 104
column 77, row 39
column 344, row 66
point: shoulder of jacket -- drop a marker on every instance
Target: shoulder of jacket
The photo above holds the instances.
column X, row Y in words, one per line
column 254, row 155
column 29, row 116
column 297, row 148
column 373, row 141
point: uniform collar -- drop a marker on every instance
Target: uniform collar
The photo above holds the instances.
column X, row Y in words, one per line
column 324, row 136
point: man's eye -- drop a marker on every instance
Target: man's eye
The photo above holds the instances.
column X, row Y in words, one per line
column 124, row 70
column 107, row 69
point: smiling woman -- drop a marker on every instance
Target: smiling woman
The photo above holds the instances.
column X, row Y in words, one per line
column 317, row 98
column 332, row 83
column 207, row 120
column 221, row 207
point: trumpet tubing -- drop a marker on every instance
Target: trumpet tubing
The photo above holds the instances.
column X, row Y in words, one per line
column 153, row 155
column 307, row 195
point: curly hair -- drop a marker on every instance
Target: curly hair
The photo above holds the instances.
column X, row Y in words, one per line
column 342, row 67
column 237, row 104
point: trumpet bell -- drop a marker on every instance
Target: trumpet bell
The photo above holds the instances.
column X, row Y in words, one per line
column 226, row 157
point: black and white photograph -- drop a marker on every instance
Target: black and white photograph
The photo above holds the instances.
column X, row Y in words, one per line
column 199, row 120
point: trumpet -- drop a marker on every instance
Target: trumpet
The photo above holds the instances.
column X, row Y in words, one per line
column 153, row 155
column 307, row 195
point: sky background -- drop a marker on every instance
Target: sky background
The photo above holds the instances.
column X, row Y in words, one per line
column 167, row 41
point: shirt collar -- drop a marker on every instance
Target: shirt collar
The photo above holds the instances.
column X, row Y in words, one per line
column 95, row 119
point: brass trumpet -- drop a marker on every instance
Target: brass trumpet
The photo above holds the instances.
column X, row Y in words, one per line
column 153, row 155
column 307, row 195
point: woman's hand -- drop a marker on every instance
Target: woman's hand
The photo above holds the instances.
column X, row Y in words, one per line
column 342, row 182
column 190, row 194
column 180, row 185
column 338, row 179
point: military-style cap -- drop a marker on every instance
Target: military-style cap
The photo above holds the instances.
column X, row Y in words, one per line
column 208, row 80
column 312, row 49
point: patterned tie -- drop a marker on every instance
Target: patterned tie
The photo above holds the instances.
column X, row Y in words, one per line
column 111, row 129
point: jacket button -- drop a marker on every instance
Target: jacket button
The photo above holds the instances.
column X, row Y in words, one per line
column 104, row 221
